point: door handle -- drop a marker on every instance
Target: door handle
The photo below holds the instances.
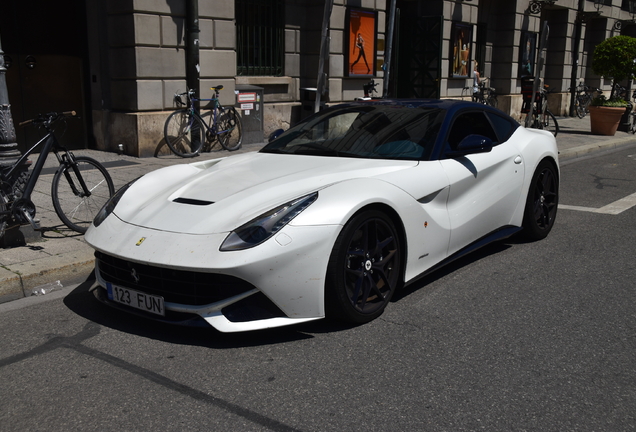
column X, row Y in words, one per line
column 518, row 160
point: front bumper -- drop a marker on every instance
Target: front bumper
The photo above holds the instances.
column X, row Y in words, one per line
column 288, row 271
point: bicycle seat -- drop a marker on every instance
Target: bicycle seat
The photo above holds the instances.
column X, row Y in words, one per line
column 217, row 88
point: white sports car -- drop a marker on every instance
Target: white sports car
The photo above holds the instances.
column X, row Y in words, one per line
column 328, row 219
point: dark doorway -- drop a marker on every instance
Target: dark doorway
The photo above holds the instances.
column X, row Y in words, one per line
column 418, row 54
column 45, row 50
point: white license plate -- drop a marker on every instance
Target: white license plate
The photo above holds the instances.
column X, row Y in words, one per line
column 138, row 300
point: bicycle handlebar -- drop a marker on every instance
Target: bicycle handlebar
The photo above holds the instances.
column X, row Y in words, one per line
column 191, row 91
column 190, row 96
column 48, row 118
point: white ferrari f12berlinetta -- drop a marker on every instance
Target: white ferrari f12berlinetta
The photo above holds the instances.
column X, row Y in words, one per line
column 328, row 219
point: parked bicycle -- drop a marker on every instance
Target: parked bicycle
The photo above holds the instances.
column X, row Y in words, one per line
column 619, row 92
column 80, row 187
column 541, row 118
column 188, row 131
column 632, row 114
column 584, row 96
column 486, row 95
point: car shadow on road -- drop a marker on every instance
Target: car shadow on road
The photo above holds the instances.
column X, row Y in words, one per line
column 82, row 302
column 453, row 266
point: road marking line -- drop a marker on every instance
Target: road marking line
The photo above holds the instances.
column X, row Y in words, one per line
column 577, row 208
column 614, row 208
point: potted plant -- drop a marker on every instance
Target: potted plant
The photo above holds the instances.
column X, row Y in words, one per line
column 614, row 57
column 606, row 114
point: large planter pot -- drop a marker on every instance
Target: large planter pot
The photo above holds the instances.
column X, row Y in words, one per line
column 605, row 120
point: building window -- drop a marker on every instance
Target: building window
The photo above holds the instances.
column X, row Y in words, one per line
column 260, row 36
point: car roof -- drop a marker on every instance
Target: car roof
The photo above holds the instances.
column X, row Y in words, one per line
column 450, row 105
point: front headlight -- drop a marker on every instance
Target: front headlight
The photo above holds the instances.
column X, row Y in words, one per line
column 111, row 204
column 266, row 225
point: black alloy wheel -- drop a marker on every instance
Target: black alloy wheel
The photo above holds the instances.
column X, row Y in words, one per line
column 364, row 268
column 542, row 202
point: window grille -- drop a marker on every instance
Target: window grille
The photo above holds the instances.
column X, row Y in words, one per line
column 260, row 27
column 629, row 6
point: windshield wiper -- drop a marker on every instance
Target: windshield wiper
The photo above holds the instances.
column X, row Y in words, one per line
column 273, row 150
column 326, row 151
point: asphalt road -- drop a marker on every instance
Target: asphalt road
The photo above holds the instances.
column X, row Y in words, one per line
column 519, row 336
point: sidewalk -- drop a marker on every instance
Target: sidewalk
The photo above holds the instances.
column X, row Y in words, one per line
column 64, row 255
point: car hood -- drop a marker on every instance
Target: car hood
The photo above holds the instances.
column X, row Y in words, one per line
column 220, row 195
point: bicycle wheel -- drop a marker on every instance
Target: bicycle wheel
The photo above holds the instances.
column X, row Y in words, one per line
column 549, row 123
column 184, row 133
column 492, row 101
column 208, row 119
column 579, row 108
column 75, row 208
column 229, row 129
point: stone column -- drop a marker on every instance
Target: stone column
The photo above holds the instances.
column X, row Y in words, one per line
column 9, row 152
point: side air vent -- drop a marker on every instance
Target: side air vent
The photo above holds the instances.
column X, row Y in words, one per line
column 191, row 201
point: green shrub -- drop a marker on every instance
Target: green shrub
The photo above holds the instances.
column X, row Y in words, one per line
column 603, row 101
column 615, row 57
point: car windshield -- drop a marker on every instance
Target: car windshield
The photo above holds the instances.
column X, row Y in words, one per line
column 377, row 131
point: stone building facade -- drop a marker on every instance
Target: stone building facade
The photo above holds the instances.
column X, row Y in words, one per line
column 127, row 58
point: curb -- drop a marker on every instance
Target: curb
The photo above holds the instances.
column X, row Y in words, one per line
column 70, row 267
column 585, row 150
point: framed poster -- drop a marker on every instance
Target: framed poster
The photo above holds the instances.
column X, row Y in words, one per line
column 361, row 40
column 460, row 55
column 527, row 52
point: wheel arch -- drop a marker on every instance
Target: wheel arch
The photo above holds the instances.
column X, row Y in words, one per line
column 546, row 158
column 554, row 163
column 530, row 231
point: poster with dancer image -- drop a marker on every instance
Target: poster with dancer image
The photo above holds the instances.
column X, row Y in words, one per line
column 361, row 42
column 460, row 55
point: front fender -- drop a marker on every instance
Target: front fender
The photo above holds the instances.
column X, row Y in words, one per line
column 535, row 145
column 425, row 221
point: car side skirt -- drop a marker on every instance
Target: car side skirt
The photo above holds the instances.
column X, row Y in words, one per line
column 497, row 235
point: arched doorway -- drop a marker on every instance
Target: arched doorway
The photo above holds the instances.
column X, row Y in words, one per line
column 45, row 50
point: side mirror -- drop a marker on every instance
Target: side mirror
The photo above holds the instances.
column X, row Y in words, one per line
column 275, row 135
column 472, row 144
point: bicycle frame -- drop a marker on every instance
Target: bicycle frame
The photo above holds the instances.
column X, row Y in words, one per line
column 196, row 112
column 49, row 142
column 216, row 108
column 50, row 145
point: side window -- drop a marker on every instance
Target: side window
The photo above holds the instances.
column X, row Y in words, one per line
column 503, row 126
column 468, row 124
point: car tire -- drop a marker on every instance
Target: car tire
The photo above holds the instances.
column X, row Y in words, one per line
column 542, row 202
column 365, row 268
